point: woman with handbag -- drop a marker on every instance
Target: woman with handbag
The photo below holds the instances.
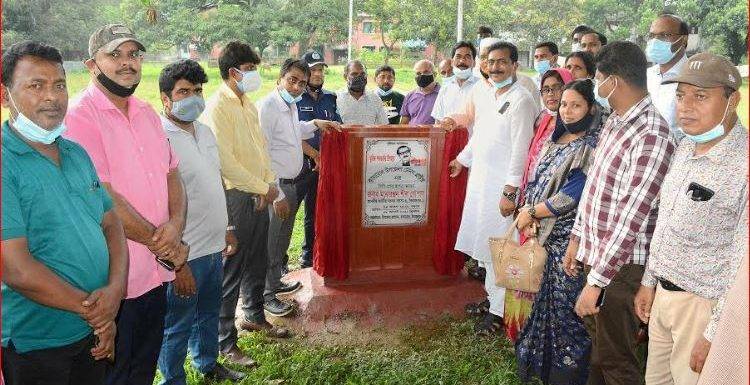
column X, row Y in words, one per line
column 554, row 345
column 518, row 303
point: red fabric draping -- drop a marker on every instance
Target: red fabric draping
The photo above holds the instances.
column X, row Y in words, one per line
column 331, row 213
column 451, row 195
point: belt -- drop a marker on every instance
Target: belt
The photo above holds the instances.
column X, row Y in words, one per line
column 669, row 286
column 291, row 181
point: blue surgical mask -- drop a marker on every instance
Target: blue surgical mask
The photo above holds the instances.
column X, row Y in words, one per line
column 383, row 93
column 250, row 81
column 542, row 66
column 462, row 74
column 660, row 51
column 447, row 79
column 188, row 109
column 711, row 134
column 32, row 131
column 575, row 47
column 603, row 100
column 503, row 83
column 288, row 97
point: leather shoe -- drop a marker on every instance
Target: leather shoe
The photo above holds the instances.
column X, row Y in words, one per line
column 273, row 331
column 237, row 357
column 221, row 373
column 288, row 288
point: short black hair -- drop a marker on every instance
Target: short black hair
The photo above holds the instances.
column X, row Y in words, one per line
column 585, row 87
column 235, row 54
column 684, row 28
column 385, row 68
column 398, row 150
column 186, row 69
column 17, row 51
column 483, row 30
column 552, row 47
column 465, row 44
column 351, row 63
column 290, row 64
column 505, row 45
column 624, row 59
column 579, row 29
column 588, row 61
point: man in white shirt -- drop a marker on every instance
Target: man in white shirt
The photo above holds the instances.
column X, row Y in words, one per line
column 455, row 91
column 503, row 117
column 666, row 48
column 279, row 121
column 356, row 105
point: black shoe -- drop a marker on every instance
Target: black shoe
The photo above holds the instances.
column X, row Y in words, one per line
column 289, row 288
column 490, row 325
column 221, row 373
column 284, row 270
column 278, row 308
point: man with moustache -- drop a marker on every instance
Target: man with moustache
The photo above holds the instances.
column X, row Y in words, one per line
column 385, row 77
column 316, row 103
column 64, row 256
column 503, row 117
column 455, row 91
column 355, row 104
column 124, row 138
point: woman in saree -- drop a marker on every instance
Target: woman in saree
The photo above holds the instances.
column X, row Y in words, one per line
column 554, row 345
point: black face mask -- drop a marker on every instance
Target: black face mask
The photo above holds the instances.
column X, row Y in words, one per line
column 582, row 125
column 424, row 80
column 314, row 88
column 357, row 84
column 113, row 87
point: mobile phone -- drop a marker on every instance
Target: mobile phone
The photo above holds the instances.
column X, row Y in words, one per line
column 699, row 193
column 600, row 300
column 165, row 264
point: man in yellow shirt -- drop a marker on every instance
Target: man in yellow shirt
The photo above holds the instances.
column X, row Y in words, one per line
column 250, row 185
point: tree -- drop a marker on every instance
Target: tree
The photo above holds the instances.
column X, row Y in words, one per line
column 389, row 14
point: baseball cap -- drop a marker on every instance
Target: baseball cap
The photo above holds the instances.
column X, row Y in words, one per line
column 313, row 58
column 110, row 36
column 707, row 70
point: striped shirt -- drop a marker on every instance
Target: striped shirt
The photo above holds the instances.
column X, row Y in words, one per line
column 618, row 208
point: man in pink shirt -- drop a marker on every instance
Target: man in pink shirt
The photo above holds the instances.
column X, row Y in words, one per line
column 131, row 154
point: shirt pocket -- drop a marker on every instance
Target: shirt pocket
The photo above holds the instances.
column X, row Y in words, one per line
column 91, row 199
column 701, row 223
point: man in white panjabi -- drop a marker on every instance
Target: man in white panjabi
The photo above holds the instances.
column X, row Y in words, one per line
column 502, row 113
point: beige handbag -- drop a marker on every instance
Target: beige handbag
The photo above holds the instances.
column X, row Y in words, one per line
column 518, row 267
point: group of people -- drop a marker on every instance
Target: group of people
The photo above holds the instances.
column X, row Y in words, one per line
column 129, row 237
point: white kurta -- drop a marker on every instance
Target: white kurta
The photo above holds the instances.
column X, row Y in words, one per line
column 496, row 154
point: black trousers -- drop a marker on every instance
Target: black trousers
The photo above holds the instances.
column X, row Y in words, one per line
column 307, row 191
column 66, row 365
column 140, row 329
column 244, row 272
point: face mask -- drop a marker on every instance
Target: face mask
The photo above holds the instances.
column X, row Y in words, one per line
column 250, row 81
column 381, row 92
column 315, row 88
column 188, row 109
column 462, row 74
column 357, row 83
column 542, row 66
column 603, row 101
column 575, row 47
column 288, row 97
column 448, row 79
column 113, row 87
column 32, row 131
column 550, row 112
column 711, row 134
column 424, row 80
column 659, row 51
column 503, row 83
column 581, row 125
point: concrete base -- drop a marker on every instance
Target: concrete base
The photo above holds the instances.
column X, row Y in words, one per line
column 336, row 308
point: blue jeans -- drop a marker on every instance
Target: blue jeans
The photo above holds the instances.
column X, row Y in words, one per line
column 193, row 321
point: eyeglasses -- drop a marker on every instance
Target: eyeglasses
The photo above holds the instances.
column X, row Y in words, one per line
column 665, row 36
column 551, row 90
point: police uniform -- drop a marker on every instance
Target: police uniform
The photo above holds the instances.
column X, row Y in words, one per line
column 308, row 109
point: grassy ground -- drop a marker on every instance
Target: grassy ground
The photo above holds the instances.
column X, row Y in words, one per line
column 444, row 353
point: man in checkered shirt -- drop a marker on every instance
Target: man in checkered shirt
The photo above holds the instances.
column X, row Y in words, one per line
column 618, row 212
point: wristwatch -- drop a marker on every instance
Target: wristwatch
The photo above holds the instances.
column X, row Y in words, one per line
column 532, row 212
column 231, row 228
column 511, row 196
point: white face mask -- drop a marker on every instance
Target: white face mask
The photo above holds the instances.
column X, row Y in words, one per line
column 250, row 81
column 576, row 47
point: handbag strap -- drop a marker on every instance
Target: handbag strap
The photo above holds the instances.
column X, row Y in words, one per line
column 512, row 227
